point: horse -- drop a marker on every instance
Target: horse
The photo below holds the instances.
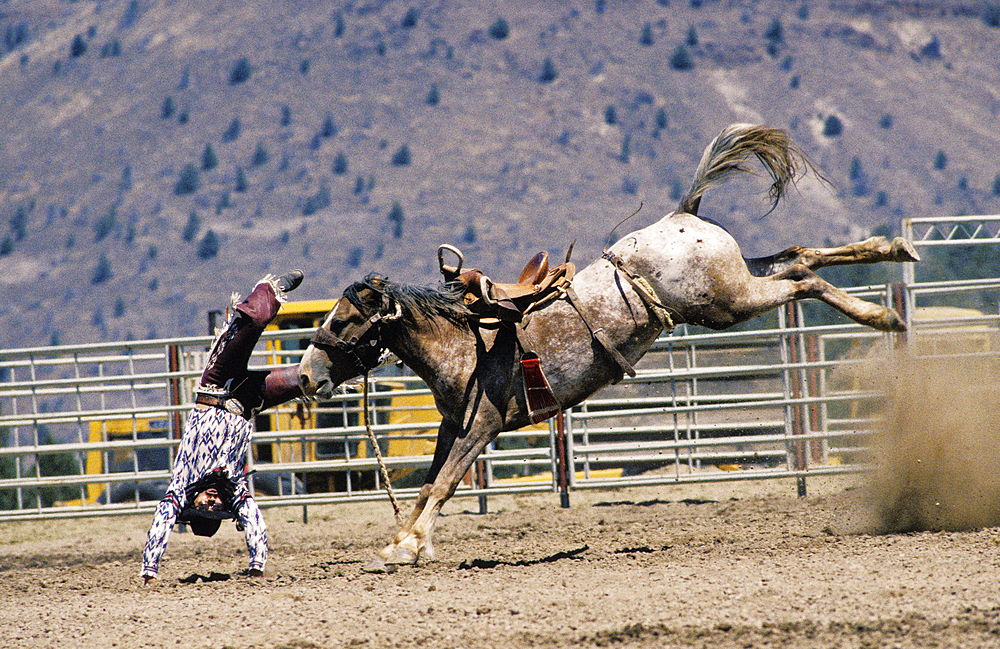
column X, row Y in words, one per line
column 680, row 269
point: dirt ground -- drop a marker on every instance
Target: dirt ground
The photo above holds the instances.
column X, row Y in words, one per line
column 738, row 564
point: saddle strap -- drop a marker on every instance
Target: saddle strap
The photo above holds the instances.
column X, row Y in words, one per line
column 624, row 367
column 642, row 287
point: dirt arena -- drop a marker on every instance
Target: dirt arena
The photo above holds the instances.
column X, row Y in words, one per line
column 736, row 564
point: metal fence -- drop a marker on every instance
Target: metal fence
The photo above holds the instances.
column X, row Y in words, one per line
column 92, row 429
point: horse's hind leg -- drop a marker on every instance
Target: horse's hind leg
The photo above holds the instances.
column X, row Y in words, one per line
column 870, row 251
column 799, row 282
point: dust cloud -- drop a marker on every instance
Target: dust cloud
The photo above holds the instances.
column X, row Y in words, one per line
column 937, row 452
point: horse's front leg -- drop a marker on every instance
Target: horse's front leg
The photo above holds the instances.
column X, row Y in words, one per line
column 406, row 545
column 415, row 541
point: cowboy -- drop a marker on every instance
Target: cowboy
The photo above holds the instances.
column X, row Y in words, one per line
column 209, row 481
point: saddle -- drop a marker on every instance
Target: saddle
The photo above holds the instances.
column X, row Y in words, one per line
column 493, row 302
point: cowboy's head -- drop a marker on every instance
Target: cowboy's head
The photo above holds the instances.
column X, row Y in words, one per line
column 209, row 503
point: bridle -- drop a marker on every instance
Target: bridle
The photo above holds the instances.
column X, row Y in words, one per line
column 364, row 347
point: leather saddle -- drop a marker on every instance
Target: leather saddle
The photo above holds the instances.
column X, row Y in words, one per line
column 494, row 301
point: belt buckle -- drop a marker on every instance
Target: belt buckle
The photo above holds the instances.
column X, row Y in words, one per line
column 234, row 406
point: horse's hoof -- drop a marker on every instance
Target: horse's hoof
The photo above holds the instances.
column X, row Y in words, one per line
column 402, row 556
column 378, row 566
column 903, row 250
column 892, row 322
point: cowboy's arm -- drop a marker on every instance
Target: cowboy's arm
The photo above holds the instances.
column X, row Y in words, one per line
column 254, row 531
column 159, row 534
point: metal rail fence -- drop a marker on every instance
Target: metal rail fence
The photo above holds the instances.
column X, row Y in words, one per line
column 91, row 430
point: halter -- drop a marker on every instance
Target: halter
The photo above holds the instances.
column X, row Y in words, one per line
column 364, row 348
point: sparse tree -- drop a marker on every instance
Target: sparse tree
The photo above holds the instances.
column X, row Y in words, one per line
column 240, row 72
column 6, row 246
column 241, row 180
column 991, row 15
column 402, row 156
column 191, row 227
column 102, row 272
column 78, row 47
column 940, row 160
column 340, row 164
column 232, row 132
column 329, row 129
column 610, row 115
column 224, row 202
column 646, row 38
column 106, row 224
column 681, row 59
column 691, row 40
column 318, row 201
column 832, row 127
column 187, row 183
column 433, row 95
column 168, row 108
column 932, row 50
column 111, row 49
column 661, row 118
column 775, row 32
column 854, row 172
column 208, row 247
column 499, row 30
column 549, row 73
column 208, row 158
column 626, row 152
column 338, row 24
column 996, row 185
column 409, row 20
column 396, row 217
column 286, row 115
column 885, row 121
column 260, row 156
column 19, row 223
column 119, row 307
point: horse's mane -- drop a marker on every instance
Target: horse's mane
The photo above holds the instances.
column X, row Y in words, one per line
column 443, row 300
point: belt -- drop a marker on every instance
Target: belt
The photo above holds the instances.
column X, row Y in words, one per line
column 229, row 405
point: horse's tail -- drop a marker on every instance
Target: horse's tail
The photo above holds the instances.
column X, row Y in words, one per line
column 728, row 153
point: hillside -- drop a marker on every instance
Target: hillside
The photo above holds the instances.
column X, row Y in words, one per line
column 159, row 154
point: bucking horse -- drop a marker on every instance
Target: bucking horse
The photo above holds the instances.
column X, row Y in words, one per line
column 582, row 336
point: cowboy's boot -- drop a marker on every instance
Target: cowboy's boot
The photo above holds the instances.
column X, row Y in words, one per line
column 281, row 385
column 231, row 350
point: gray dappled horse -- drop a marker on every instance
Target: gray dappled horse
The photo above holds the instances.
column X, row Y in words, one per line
column 681, row 269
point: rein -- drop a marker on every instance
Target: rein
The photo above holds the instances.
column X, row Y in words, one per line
column 378, row 456
column 354, row 348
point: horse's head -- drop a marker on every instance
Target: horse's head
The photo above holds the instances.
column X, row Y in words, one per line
column 349, row 342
